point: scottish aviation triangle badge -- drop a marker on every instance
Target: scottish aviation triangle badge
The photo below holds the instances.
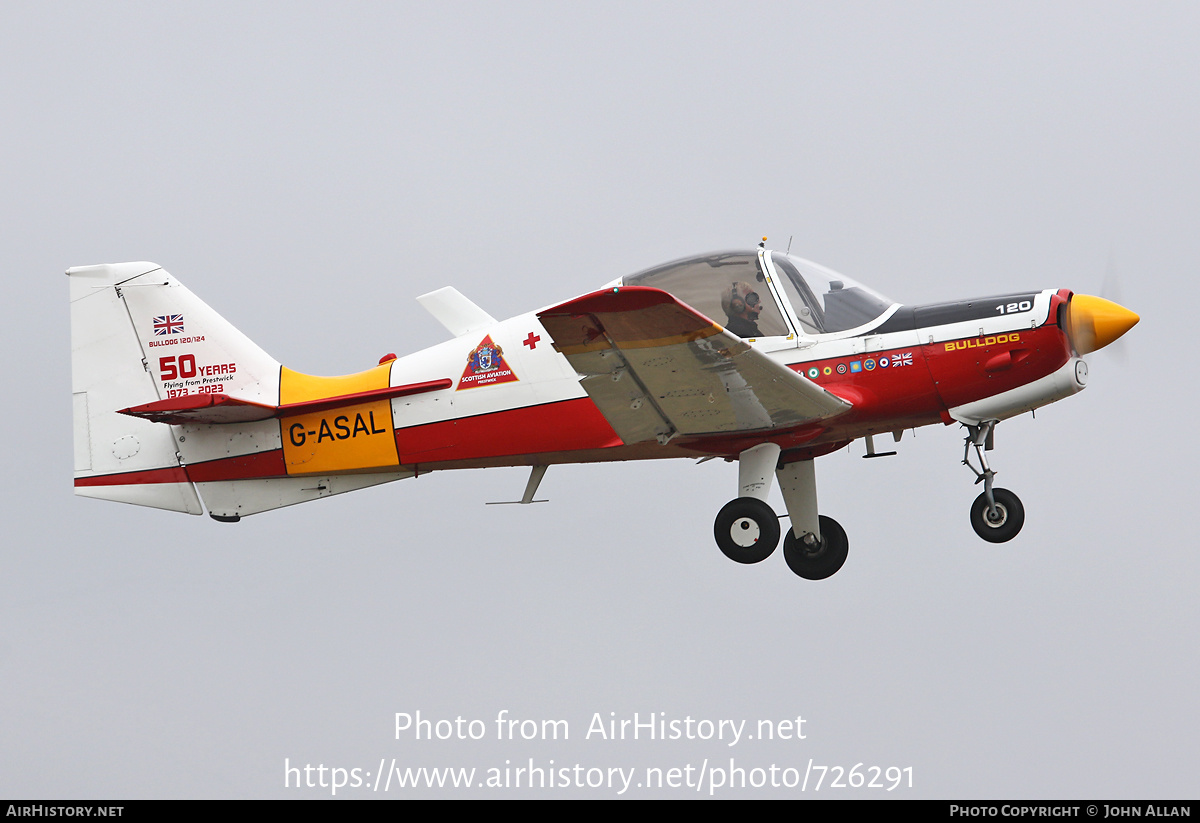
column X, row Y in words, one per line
column 485, row 367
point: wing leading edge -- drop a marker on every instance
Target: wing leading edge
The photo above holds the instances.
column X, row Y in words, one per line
column 655, row 367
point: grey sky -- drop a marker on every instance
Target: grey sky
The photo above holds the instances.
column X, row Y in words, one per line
column 307, row 169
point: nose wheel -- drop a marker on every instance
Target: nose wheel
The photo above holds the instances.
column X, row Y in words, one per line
column 996, row 515
column 1000, row 522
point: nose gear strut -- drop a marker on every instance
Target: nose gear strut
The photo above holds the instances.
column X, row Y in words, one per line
column 996, row 515
column 982, row 437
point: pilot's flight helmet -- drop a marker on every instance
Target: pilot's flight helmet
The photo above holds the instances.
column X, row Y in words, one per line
column 742, row 301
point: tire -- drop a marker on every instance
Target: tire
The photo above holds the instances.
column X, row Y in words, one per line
column 822, row 562
column 1012, row 516
column 746, row 530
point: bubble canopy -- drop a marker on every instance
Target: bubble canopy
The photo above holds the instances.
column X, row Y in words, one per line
column 732, row 288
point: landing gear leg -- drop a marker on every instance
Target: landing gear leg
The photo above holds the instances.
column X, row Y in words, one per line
column 747, row 529
column 816, row 561
column 815, row 547
column 996, row 515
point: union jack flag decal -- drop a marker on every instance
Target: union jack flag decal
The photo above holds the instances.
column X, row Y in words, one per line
column 168, row 324
column 902, row 359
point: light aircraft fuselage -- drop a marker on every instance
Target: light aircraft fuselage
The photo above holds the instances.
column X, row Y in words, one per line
column 754, row 356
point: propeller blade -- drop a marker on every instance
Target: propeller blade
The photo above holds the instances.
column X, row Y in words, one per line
column 1093, row 322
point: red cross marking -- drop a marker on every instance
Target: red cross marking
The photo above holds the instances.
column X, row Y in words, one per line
column 532, row 340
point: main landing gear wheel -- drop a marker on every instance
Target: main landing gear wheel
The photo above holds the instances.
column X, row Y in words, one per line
column 1005, row 523
column 747, row 530
column 819, row 562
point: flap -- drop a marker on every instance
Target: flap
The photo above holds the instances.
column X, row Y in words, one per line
column 655, row 367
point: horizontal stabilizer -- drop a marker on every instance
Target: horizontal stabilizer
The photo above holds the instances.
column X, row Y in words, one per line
column 222, row 408
column 200, row 408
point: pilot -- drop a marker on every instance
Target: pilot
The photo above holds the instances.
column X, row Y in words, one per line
column 742, row 306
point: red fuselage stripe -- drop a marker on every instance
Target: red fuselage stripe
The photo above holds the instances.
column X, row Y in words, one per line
column 914, row 389
column 242, row 467
column 169, row 474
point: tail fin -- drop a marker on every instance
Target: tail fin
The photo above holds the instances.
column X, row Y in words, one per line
column 173, row 403
column 137, row 337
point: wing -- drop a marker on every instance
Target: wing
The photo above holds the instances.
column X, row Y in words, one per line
column 655, row 367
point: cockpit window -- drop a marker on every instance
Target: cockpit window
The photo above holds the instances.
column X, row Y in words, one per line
column 824, row 300
column 728, row 287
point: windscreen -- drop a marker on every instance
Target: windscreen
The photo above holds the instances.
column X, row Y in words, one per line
column 824, row 300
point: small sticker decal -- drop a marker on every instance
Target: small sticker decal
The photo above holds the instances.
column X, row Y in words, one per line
column 856, row 367
column 813, row 372
column 869, row 365
column 883, row 362
column 904, row 359
column 827, row 371
column 841, row 368
column 485, row 367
